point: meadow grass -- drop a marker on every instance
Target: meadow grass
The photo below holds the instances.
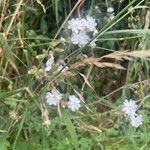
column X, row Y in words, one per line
column 33, row 31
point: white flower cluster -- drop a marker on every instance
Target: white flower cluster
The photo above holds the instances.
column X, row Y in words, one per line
column 80, row 29
column 49, row 64
column 74, row 103
column 130, row 107
column 110, row 9
column 62, row 68
column 53, row 99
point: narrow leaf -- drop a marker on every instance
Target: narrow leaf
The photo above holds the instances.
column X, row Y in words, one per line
column 71, row 129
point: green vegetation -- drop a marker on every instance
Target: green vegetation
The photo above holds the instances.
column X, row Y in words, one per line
column 31, row 32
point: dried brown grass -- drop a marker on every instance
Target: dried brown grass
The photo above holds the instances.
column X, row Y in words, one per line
column 116, row 56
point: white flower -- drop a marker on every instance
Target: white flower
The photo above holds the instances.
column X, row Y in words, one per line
column 95, row 32
column 62, row 39
column 93, row 44
column 49, row 64
column 50, row 99
column 110, row 9
column 81, row 39
column 76, row 25
column 53, row 98
column 56, row 94
column 136, row 121
column 96, row 7
column 80, row 29
column 130, row 107
column 74, row 103
column 90, row 23
column 62, row 68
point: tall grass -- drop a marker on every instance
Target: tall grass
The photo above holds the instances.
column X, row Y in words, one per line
column 103, row 77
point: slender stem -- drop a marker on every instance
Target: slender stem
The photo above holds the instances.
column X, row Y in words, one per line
column 13, row 18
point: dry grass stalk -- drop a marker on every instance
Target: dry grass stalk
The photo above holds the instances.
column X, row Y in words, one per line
column 117, row 56
column 86, row 81
column 82, row 99
column 107, row 64
column 45, row 117
column 89, row 128
column 121, row 55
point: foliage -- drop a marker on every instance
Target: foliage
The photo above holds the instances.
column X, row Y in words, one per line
column 103, row 77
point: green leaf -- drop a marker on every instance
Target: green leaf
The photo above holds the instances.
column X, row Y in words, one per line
column 4, row 95
column 3, row 145
column 71, row 129
column 43, row 25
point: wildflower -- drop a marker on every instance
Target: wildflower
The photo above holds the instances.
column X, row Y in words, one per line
column 96, row 7
column 14, row 116
column 95, row 32
column 76, row 25
column 81, row 39
column 74, row 103
column 90, row 23
column 130, row 107
column 110, row 9
column 80, row 29
column 62, row 39
column 50, row 99
column 49, row 64
column 62, row 68
column 136, row 121
column 53, row 98
column 57, row 95
column 93, row 44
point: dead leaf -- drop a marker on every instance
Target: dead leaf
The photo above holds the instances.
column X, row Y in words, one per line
column 106, row 64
